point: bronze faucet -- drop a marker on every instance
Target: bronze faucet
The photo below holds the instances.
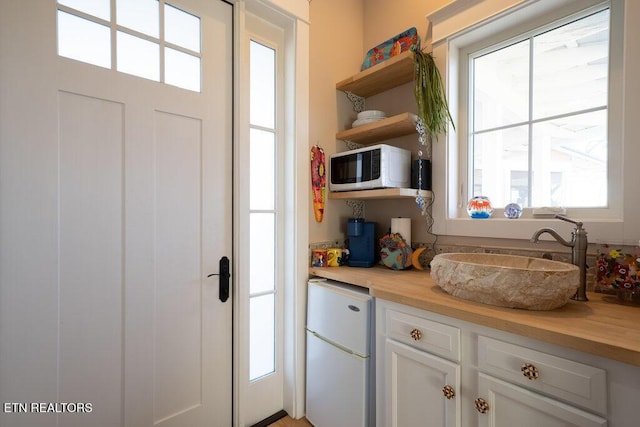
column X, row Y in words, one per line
column 578, row 245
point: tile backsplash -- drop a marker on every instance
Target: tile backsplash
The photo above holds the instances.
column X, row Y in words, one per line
column 594, row 252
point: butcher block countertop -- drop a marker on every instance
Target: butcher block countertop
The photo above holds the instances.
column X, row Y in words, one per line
column 600, row 326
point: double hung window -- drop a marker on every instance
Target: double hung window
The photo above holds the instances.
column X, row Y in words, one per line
column 538, row 116
column 537, row 92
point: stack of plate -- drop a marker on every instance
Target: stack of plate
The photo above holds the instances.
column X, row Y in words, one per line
column 369, row 116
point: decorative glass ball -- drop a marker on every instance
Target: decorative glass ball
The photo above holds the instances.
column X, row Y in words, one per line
column 479, row 207
column 513, row 211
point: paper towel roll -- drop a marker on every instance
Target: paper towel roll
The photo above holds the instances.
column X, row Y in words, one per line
column 402, row 226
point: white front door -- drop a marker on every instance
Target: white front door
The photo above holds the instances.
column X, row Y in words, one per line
column 115, row 205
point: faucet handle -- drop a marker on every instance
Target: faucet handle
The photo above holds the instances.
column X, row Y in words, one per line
column 572, row 221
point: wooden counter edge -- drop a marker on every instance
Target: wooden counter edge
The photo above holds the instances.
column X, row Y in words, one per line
column 380, row 285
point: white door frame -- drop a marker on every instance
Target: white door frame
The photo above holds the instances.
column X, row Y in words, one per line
column 293, row 17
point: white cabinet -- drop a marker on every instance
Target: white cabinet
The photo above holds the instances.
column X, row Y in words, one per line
column 420, row 385
column 505, row 404
column 494, row 378
column 426, row 335
column 421, row 388
column 576, row 383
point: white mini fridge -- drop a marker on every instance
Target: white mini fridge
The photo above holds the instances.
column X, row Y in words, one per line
column 340, row 370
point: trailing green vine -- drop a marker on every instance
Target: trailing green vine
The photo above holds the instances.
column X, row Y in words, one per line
column 433, row 108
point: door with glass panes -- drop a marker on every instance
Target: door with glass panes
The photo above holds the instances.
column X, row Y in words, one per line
column 115, row 139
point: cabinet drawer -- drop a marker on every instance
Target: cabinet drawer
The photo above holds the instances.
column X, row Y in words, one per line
column 433, row 337
column 510, row 405
column 570, row 381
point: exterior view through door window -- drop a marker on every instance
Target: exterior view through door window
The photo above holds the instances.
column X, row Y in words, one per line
column 171, row 56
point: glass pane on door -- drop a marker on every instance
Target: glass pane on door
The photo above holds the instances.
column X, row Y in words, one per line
column 138, row 57
column 84, row 40
column 139, row 15
column 181, row 28
column 262, row 234
column 98, row 8
column 262, row 336
column 262, row 85
column 181, row 69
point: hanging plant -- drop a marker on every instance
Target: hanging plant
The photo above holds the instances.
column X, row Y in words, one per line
column 433, row 109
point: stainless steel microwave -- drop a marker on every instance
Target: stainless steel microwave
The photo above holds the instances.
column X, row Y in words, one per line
column 375, row 166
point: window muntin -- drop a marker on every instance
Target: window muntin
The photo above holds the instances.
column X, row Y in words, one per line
column 173, row 57
column 539, row 105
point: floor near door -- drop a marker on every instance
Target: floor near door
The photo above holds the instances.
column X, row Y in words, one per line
column 290, row 422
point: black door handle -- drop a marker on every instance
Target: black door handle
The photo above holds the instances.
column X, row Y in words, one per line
column 224, row 278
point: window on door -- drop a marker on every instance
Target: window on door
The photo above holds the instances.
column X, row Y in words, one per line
column 266, row 156
column 151, row 39
column 263, row 212
column 263, row 202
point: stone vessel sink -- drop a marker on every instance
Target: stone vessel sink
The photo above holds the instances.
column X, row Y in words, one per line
column 506, row 280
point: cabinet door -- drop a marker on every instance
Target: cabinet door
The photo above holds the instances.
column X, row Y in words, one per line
column 510, row 405
column 414, row 394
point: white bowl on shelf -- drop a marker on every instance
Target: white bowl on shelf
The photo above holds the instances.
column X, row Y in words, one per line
column 361, row 122
column 369, row 114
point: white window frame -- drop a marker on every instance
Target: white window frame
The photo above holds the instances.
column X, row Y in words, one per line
column 466, row 25
column 487, row 47
column 265, row 392
column 293, row 17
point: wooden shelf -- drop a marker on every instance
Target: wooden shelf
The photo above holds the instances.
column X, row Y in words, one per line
column 377, row 79
column 380, row 193
column 391, row 127
column 381, row 77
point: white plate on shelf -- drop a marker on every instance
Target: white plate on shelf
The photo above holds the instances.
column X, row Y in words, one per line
column 369, row 114
column 361, row 122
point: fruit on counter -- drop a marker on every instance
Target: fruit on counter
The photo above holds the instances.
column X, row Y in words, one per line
column 415, row 258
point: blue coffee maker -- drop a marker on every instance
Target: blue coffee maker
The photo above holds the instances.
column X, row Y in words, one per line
column 362, row 244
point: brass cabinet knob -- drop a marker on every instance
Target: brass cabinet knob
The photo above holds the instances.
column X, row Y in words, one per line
column 448, row 392
column 481, row 405
column 529, row 371
column 416, row 334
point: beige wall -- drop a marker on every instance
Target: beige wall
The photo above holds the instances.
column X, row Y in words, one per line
column 384, row 19
column 341, row 32
column 335, row 48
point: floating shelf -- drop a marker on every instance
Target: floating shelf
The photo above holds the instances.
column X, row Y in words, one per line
column 380, row 193
column 391, row 127
column 372, row 81
column 381, row 77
